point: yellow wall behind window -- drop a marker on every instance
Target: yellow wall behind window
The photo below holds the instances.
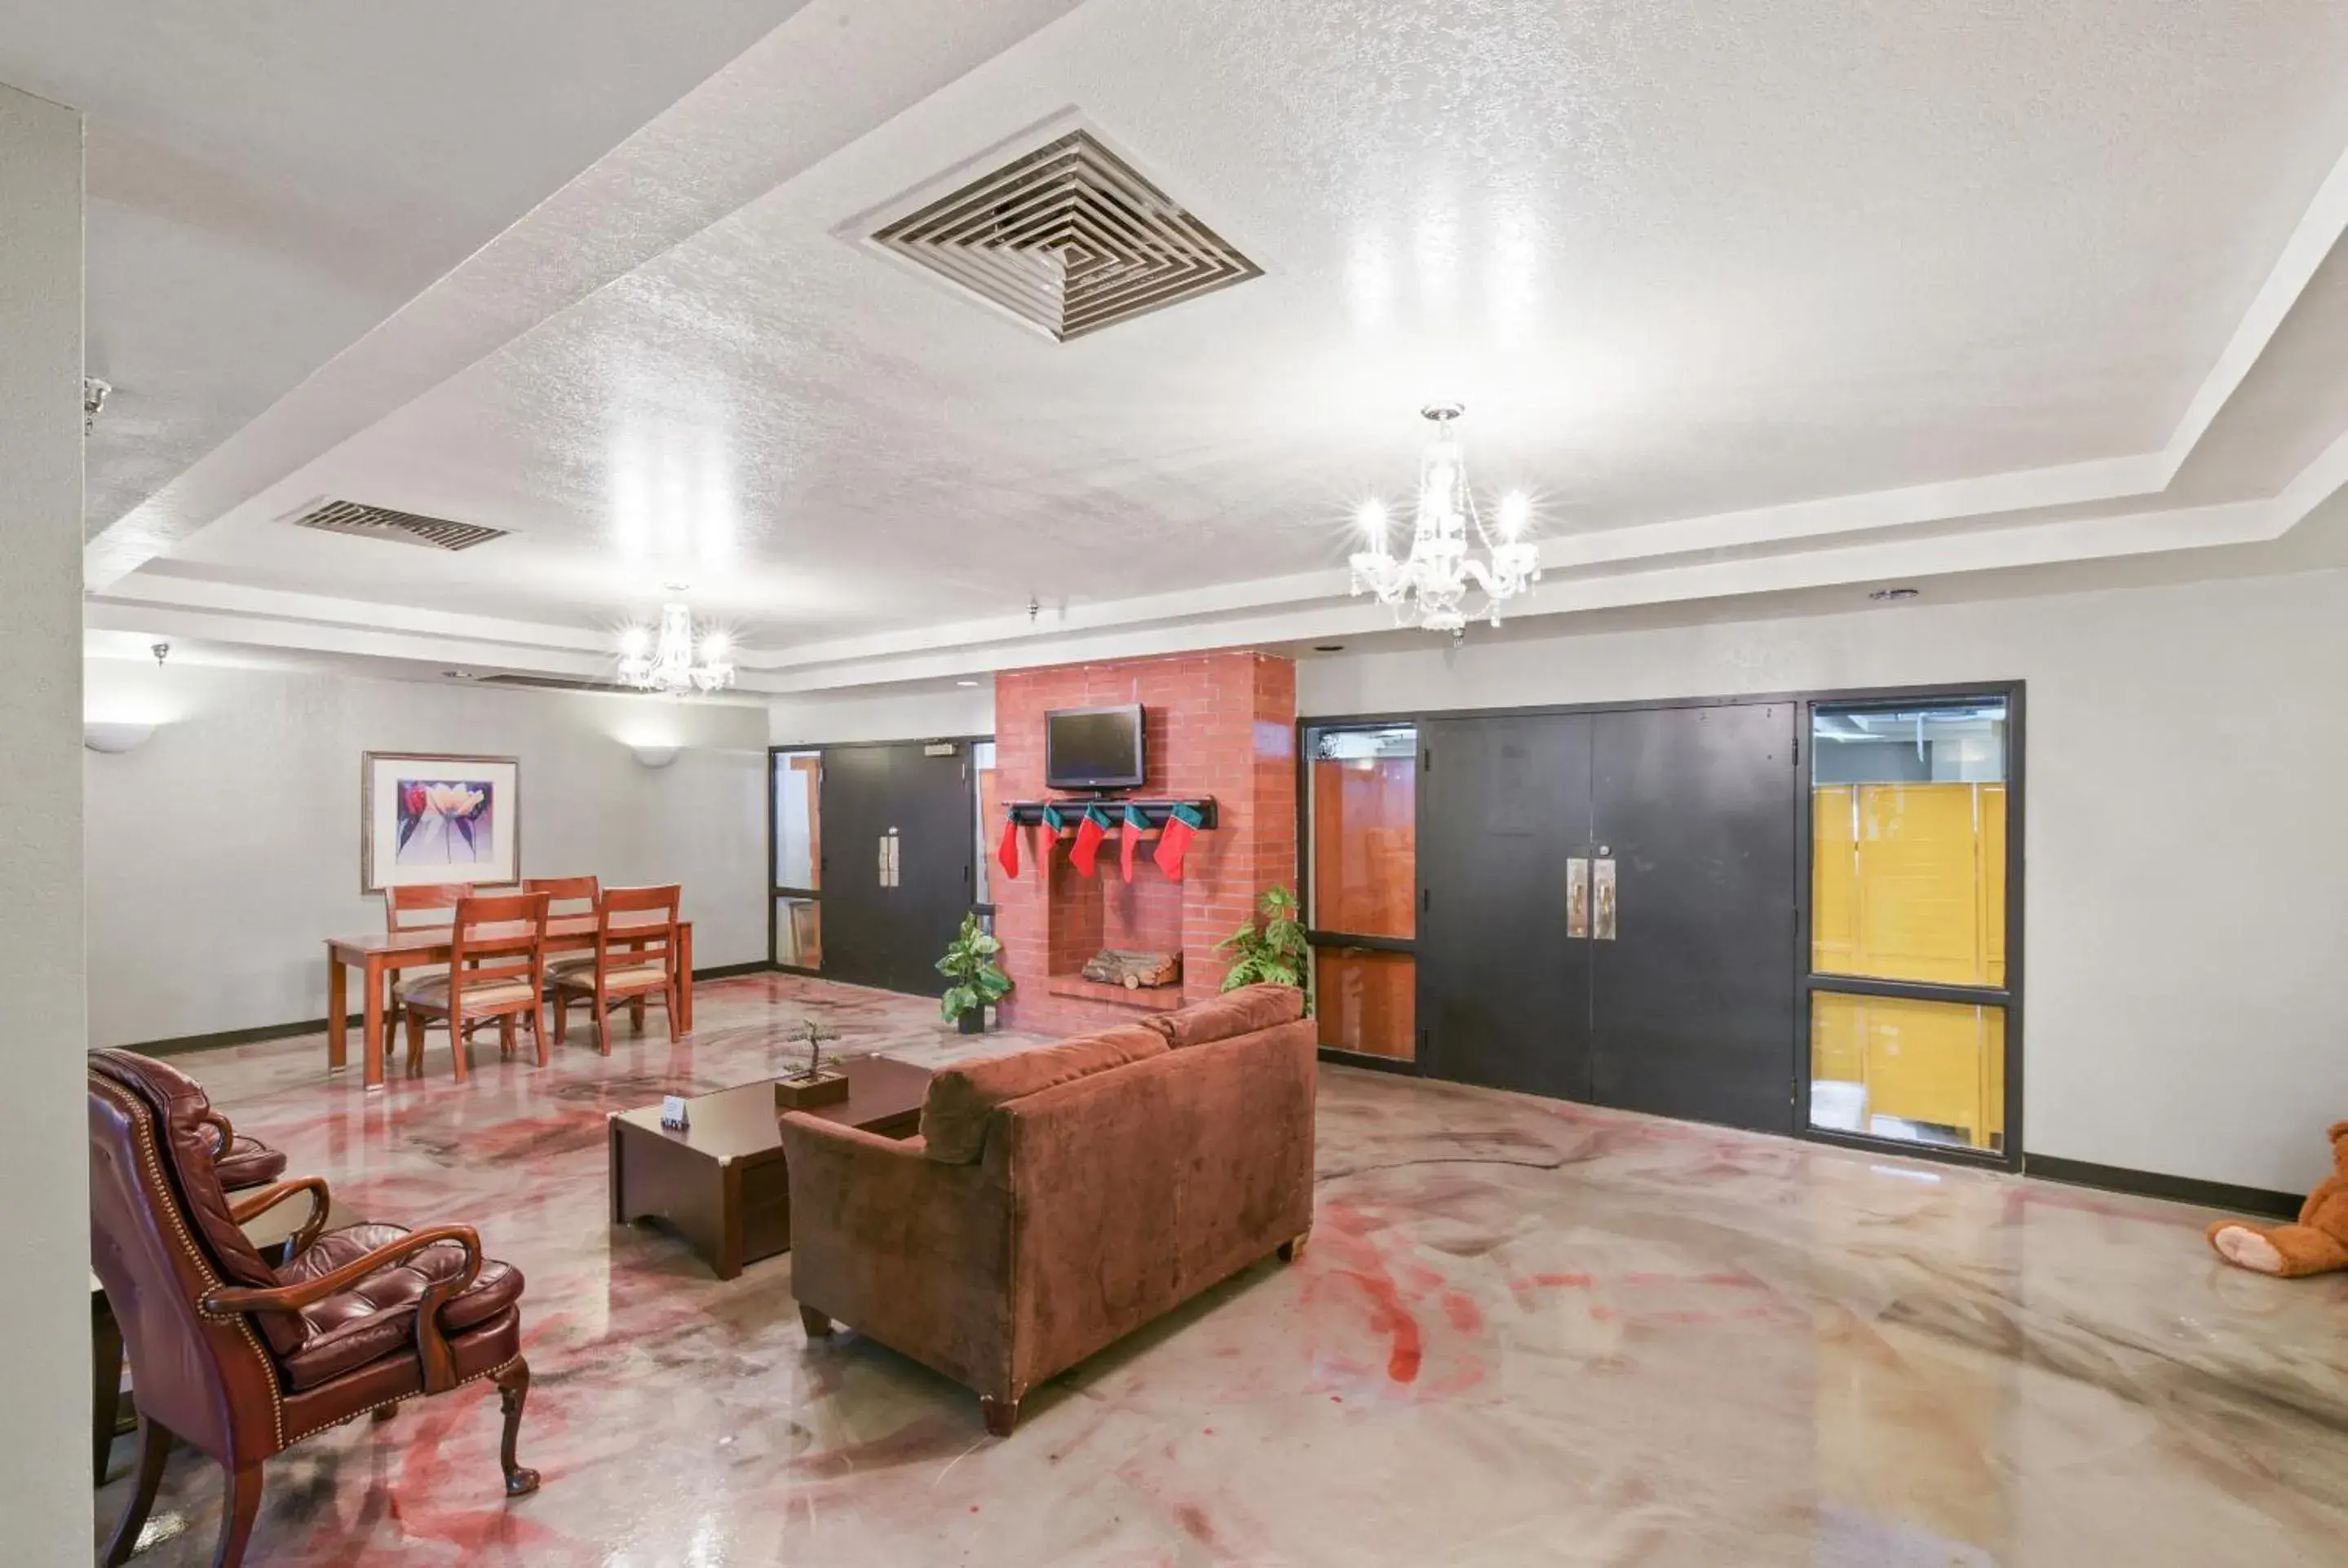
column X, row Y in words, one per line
column 1908, row 882
column 1939, row 1062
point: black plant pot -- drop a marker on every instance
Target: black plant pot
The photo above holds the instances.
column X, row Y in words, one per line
column 971, row 1022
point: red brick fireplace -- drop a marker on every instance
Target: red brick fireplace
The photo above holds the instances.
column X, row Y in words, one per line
column 1218, row 724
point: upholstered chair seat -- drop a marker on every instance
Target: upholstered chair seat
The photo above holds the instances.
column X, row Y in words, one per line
column 377, row 1317
column 432, row 991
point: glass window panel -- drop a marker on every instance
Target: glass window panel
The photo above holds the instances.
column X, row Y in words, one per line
column 1919, row 1072
column 1364, row 803
column 990, row 819
column 1908, row 843
column 1366, row 1001
column 798, row 828
column 798, row 933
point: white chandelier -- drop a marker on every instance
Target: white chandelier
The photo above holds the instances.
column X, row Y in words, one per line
column 1437, row 574
column 666, row 664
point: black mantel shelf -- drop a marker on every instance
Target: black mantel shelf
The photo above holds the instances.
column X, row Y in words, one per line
column 1030, row 813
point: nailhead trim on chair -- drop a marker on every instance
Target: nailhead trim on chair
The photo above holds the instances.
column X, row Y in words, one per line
column 395, row 1404
column 143, row 1120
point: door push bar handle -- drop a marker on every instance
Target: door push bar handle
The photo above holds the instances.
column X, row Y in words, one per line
column 1602, row 900
column 1577, row 898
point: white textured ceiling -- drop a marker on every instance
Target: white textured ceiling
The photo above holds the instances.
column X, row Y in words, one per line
column 269, row 179
column 1752, row 294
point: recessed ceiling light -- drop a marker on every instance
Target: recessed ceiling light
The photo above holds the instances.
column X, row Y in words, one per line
column 1328, row 648
column 1894, row 595
column 965, row 682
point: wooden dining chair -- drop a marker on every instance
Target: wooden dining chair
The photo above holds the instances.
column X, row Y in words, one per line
column 408, row 909
column 497, row 969
column 566, row 895
column 635, row 960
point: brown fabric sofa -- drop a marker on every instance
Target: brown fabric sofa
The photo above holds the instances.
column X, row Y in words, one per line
column 1060, row 1198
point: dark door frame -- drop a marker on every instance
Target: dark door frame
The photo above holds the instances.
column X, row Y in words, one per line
column 776, row 892
column 1317, row 938
column 1805, row 702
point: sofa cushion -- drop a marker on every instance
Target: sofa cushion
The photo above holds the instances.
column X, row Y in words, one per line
column 961, row 1099
column 1243, row 1011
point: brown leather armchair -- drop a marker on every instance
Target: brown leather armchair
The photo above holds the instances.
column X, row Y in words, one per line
column 241, row 1163
column 242, row 1360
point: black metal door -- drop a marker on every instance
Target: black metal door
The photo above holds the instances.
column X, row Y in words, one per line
column 1503, row 985
column 1693, row 996
column 897, row 859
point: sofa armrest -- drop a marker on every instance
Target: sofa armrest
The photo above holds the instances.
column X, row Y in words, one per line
column 911, row 1251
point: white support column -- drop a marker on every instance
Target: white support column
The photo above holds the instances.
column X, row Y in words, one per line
column 45, row 1489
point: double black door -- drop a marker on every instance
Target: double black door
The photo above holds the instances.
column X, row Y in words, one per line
column 898, row 851
column 1607, row 907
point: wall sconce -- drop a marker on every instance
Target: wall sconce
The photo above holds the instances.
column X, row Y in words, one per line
column 655, row 756
column 117, row 736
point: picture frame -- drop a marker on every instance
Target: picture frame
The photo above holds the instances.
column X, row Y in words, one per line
column 438, row 817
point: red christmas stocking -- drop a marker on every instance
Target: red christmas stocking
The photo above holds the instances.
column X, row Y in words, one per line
column 1050, row 824
column 1091, row 831
column 1130, row 839
column 1182, row 824
column 1006, row 848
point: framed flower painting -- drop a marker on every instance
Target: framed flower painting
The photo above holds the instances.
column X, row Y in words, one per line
column 425, row 818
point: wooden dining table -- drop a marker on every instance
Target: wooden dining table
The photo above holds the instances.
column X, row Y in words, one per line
column 381, row 954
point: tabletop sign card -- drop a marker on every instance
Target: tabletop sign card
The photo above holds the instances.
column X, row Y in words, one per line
column 673, row 1112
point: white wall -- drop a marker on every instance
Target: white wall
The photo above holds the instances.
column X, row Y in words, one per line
column 223, row 851
column 827, row 717
column 2186, row 833
column 44, row 1167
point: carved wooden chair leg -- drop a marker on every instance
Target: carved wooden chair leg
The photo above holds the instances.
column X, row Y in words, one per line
column 239, row 1509
column 818, row 1324
column 105, row 1382
column 460, row 1046
column 385, row 1412
column 513, row 1389
column 1294, row 1248
column 506, row 1034
column 1002, row 1415
column 561, row 1015
column 538, row 1035
column 154, row 1447
column 636, row 1013
column 414, row 1044
column 603, row 1029
column 668, row 1010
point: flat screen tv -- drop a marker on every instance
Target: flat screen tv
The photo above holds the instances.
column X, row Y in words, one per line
column 1092, row 748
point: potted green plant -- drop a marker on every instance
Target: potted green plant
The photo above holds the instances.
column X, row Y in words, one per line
column 1273, row 952
column 974, row 979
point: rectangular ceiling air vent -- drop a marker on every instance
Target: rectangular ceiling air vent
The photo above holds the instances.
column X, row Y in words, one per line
column 1070, row 239
column 400, row 527
column 555, row 684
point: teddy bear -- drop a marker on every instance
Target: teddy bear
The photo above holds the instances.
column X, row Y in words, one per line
column 2316, row 1244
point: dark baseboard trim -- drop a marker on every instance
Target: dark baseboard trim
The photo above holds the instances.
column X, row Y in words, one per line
column 1395, row 1064
column 2153, row 1185
column 181, row 1045
column 733, row 971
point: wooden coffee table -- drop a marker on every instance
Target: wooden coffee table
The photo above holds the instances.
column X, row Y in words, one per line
column 720, row 1182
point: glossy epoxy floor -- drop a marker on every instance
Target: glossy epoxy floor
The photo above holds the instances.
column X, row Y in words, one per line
column 1525, row 1333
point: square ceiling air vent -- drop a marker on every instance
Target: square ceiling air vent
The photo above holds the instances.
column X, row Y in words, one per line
column 1070, row 239
column 401, row 528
